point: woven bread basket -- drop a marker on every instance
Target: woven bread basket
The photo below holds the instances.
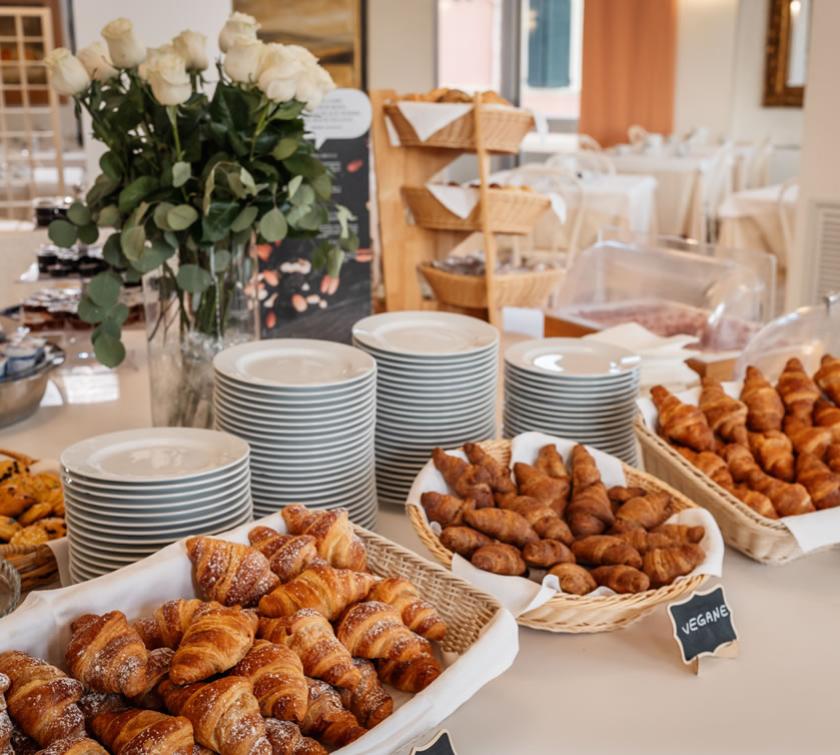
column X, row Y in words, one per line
column 580, row 613
column 522, row 289
column 511, row 211
column 765, row 540
column 35, row 563
column 503, row 129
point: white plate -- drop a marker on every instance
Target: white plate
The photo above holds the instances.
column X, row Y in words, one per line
column 428, row 373
column 244, row 426
column 158, row 454
column 295, row 473
column 141, row 488
column 150, row 507
column 291, row 446
column 153, row 526
column 551, row 386
column 426, row 334
column 281, row 498
column 572, row 358
column 290, row 402
column 155, row 498
column 432, row 435
column 457, row 382
column 625, row 421
column 428, row 360
column 294, row 363
column 304, row 415
column 512, row 403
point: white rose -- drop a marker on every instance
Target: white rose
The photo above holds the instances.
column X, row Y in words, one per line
column 125, row 49
column 238, row 25
column 282, row 58
column 276, row 87
column 190, row 45
column 67, row 74
column 152, row 55
column 94, row 58
column 301, row 54
column 169, row 79
column 242, row 60
column 312, row 85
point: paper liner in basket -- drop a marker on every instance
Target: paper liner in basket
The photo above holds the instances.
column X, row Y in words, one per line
column 41, row 626
column 811, row 531
column 520, row 595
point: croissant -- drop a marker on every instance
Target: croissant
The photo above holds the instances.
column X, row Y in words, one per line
column 71, row 746
column 224, row 714
column 131, row 731
column 417, row 614
column 286, row 739
column 765, row 409
column 644, row 541
column 551, row 462
column 502, row 524
column 216, row 640
column 726, row 416
column 5, row 721
column 827, row 377
column 590, row 512
column 621, row 494
column 664, row 565
column 806, row 438
column 546, row 553
column 229, row 573
column 445, row 509
column 336, row 541
column 820, row 482
column 375, row 630
column 499, row 558
column 550, row 491
column 682, row 423
column 573, row 579
column 554, row 529
column 605, row 550
column 409, row 676
column 157, row 668
column 327, row 719
column 463, row 540
column 298, row 518
column 774, row 453
column 682, row 533
column 468, row 481
column 498, row 476
column 828, row 415
column 311, row 637
column 106, row 654
column 832, row 457
column 276, row 674
column 621, row 578
column 288, row 555
column 367, row 701
column 741, row 463
column 540, row 516
column 645, row 512
column 758, row 502
column 584, row 469
column 327, row 590
column 797, row 390
column 167, row 626
column 788, row 499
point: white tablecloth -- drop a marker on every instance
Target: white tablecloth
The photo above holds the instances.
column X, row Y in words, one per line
column 751, row 220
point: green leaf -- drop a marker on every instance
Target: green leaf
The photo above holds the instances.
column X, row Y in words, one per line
column 285, row 148
column 273, row 226
column 294, row 185
column 160, row 215
column 319, row 255
column 288, row 111
column 108, row 217
column 90, row 312
column 218, row 220
column 304, row 196
column 112, row 251
column 235, row 184
column 135, row 192
column 133, row 242
column 344, row 216
column 88, row 234
column 153, row 256
column 171, row 239
column 209, row 186
column 307, row 218
column 118, row 314
column 245, row 219
column 102, row 187
column 78, row 214
column 322, row 185
column 104, row 289
column 110, row 165
column 221, row 260
column 194, row 279
column 247, row 181
column 62, row 233
column 108, row 349
column 181, row 173
column 181, row 217
column 304, row 165
column 335, row 257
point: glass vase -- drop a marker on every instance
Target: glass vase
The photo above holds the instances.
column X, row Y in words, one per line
column 185, row 330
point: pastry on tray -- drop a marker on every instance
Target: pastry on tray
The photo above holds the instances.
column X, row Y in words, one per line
column 218, row 673
column 31, row 503
column 556, row 515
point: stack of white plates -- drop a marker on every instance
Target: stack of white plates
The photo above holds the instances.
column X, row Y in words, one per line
column 437, row 377
column 307, row 408
column 130, row 493
column 574, row 389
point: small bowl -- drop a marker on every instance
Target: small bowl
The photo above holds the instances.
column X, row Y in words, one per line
column 9, row 587
column 21, row 396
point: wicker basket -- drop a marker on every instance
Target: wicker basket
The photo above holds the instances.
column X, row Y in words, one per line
column 511, row 211
column 503, row 129
column 765, row 540
column 35, row 563
column 527, row 289
column 580, row 613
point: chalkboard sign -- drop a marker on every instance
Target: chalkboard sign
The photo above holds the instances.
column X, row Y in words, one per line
column 703, row 625
column 295, row 299
column 440, row 745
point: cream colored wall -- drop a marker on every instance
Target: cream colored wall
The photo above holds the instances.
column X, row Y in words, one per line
column 401, row 44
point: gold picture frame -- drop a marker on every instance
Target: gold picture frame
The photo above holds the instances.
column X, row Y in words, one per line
column 777, row 91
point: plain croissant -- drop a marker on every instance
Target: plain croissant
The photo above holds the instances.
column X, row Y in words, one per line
column 288, row 555
column 368, row 700
column 286, row 739
column 276, row 674
column 327, row 719
column 167, row 626
column 417, row 614
column 130, row 731
column 682, row 423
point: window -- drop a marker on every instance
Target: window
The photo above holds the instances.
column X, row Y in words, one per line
column 470, row 44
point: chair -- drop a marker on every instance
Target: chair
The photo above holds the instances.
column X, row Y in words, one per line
column 589, row 143
column 758, row 167
column 785, row 217
column 718, row 186
column 598, row 163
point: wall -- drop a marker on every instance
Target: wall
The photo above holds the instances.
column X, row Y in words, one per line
column 401, row 45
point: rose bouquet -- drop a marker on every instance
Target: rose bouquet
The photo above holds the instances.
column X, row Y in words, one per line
column 193, row 173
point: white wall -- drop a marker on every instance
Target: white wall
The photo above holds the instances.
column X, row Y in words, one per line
column 401, row 45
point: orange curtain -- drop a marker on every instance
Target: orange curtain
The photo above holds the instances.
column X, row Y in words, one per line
column 629, row 61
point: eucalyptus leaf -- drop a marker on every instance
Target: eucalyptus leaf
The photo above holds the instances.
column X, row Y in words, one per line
column 112, row 251
column 89, row 311
column 335, row 258
column 181, row 217
column 322, row 185
column 63, row 233
column 133, row 242
column 209, row 186
column 109, row 216
column 235, row 184
column 304, row 165
column 247, row 180
column 194, row 279
column 171, row 239
column 293, row 186
column 88, row 234
column 273, row 226
column 104, row 289
column 108, row 349
column 221, row 260
column 285, row 148
column 105, row 327
column 110, row 165
column 245, row 219
column 304, row 196
column 78, row 214
column 135, row 192
column 153, row 256
column 344, row 216
column 118, row 313
column 160, row 213
column 181, row 173
column 218, row 220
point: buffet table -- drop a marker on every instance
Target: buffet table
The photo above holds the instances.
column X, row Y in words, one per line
column 625, row 691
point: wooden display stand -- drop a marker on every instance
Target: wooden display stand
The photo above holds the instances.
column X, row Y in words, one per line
column 409, row 247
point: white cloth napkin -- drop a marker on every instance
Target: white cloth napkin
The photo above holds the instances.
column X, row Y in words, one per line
column 427, row 118
column 461, row 200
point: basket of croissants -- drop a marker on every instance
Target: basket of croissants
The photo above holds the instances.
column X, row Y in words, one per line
column 753, row 454
column 300, row 642
column 616, row 552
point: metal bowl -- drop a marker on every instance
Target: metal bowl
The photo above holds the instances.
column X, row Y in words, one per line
column 9, row 587
column 21, row 396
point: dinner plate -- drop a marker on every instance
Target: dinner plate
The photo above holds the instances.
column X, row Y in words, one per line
column 572, row 358
column 280, row 435
column 185, row 486
column 553, row 388
column 142, row 511
column 349, row 395
column 155, row 499
column 305, row 417
column 154, row 455
column 430, row 360
column 467, row 369
column 153, row 527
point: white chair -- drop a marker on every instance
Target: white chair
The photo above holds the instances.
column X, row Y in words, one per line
column 758, row 168
column 588, row 143
column 717, row 187
column 785, row 220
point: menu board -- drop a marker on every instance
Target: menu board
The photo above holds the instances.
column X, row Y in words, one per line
column 295, row 299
